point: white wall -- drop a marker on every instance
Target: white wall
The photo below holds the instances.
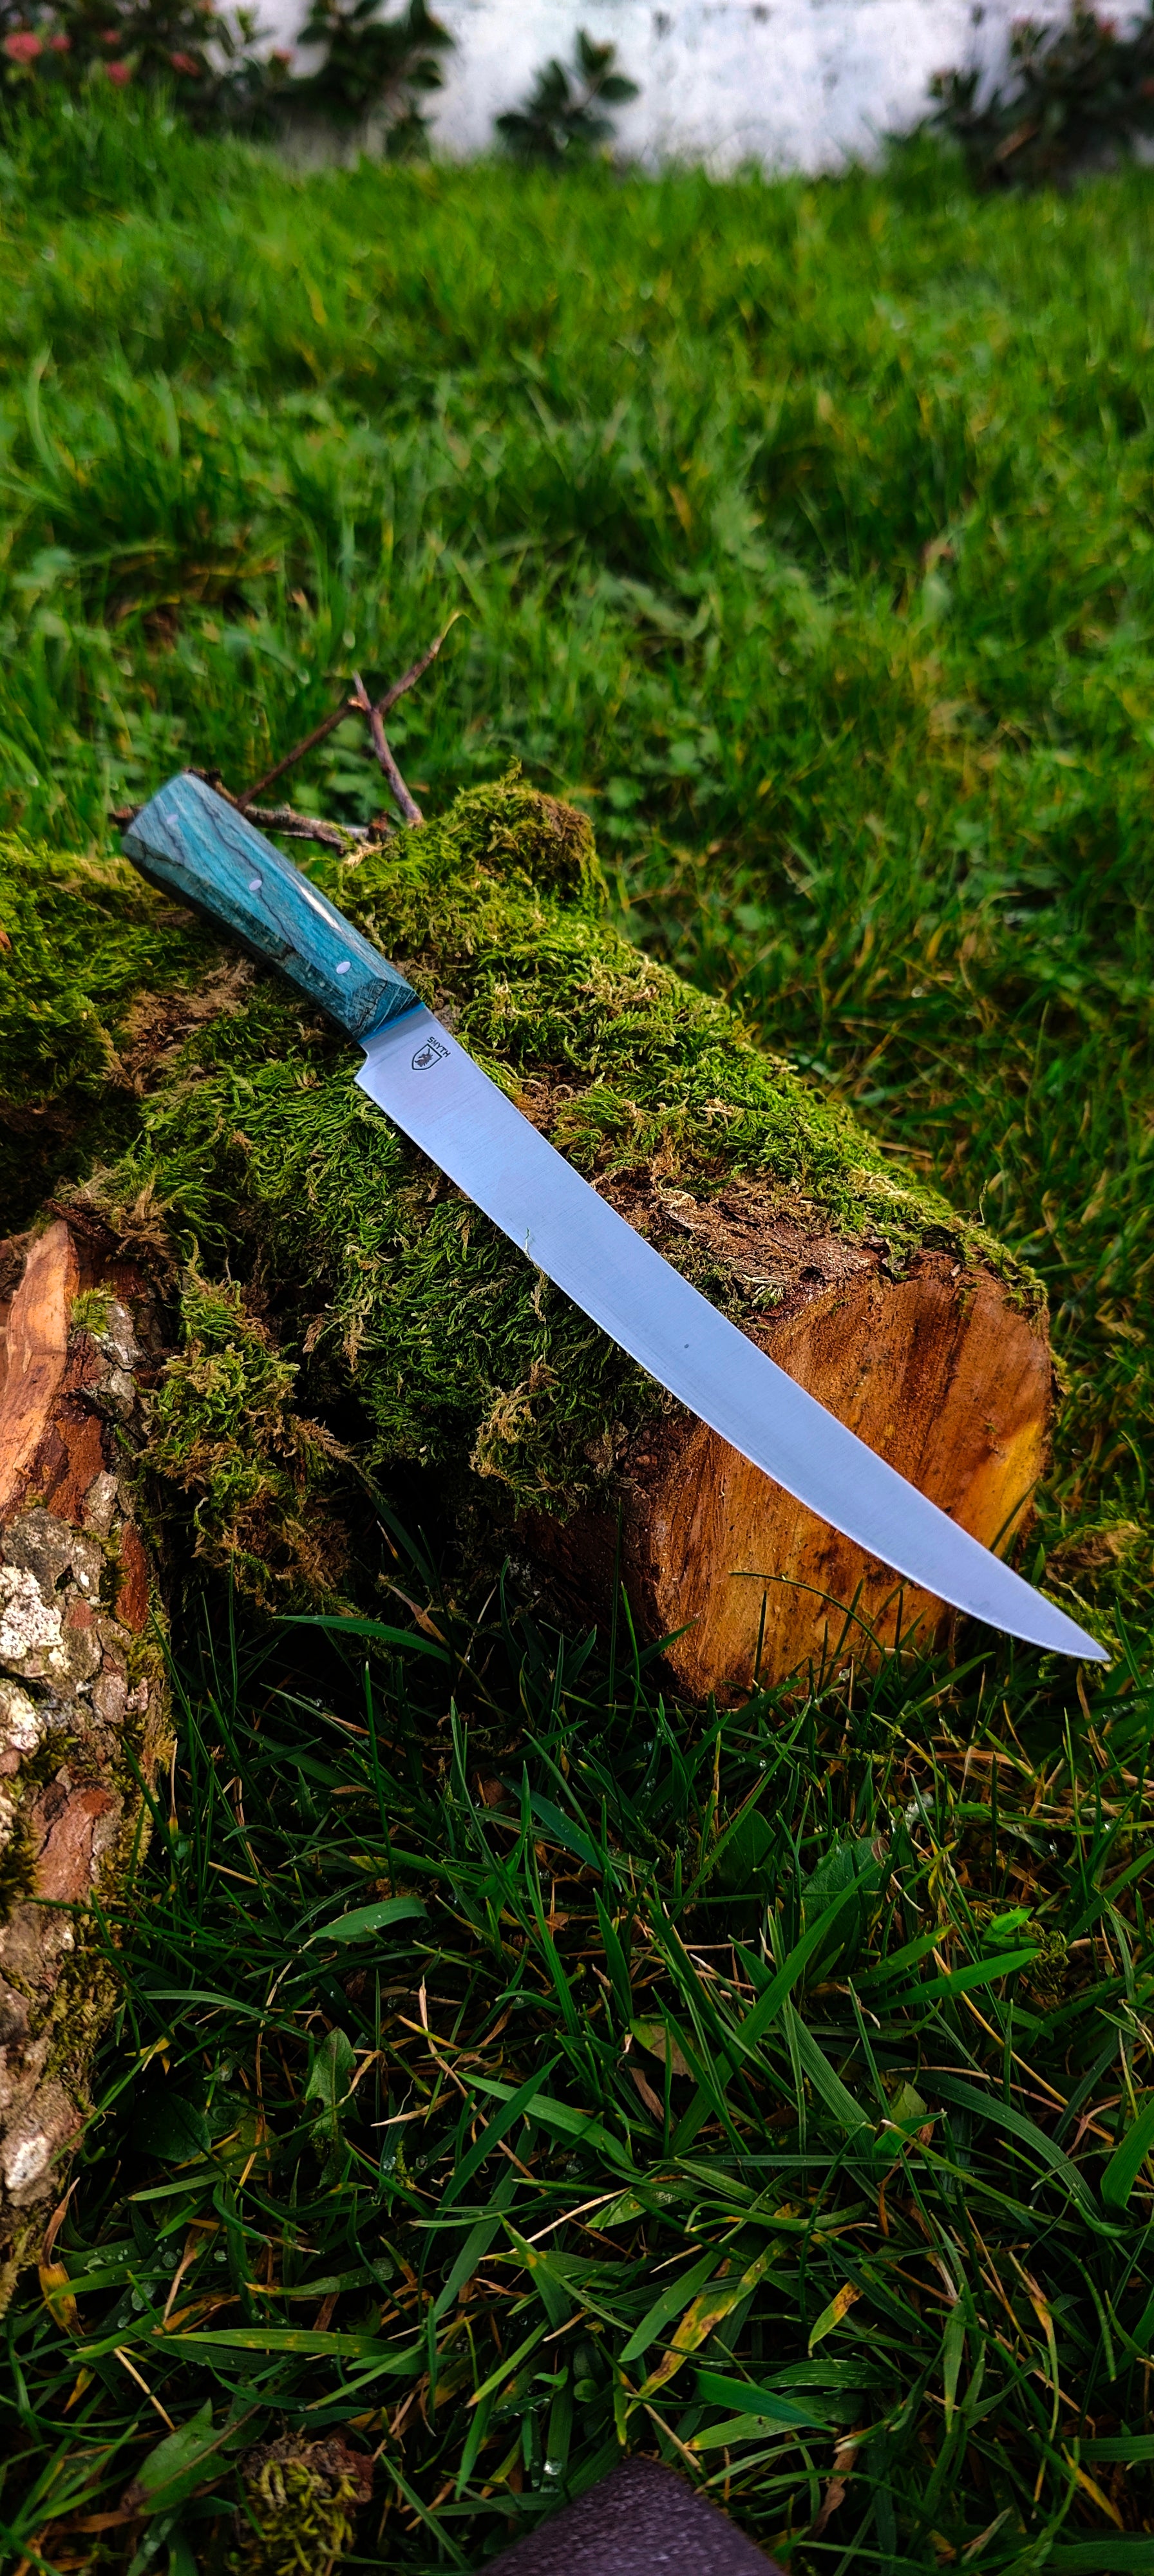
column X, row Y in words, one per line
column 793, row 84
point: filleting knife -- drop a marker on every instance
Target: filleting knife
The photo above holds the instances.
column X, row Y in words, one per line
column 191, row 841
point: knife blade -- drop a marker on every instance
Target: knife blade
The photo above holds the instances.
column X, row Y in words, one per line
column 198, row 846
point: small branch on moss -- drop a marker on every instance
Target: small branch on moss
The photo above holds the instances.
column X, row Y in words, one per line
column 406, row 804
column 308, row 827
column 349, row 706
column 214, row 778
column 285, row 819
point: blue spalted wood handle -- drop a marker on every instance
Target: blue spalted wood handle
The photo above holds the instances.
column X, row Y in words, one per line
column 194, row 842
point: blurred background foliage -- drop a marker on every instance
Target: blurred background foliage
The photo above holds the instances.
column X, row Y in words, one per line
column 208, row 62
column 564, row 117
column 366, row 74
column 1070, row 94
column 373, row 65
column 1075, row 93
column 803, row 534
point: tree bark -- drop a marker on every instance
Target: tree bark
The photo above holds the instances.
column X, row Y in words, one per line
column 83, row 1705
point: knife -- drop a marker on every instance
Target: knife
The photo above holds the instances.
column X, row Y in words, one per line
column 191, row 841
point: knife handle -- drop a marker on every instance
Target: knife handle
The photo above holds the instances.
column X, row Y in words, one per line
column 200, row 847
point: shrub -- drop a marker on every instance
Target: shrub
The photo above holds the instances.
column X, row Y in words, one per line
column 1077, row 94
column 207, row 61
column 211, row 66
column 375, row 66
column 564, row 119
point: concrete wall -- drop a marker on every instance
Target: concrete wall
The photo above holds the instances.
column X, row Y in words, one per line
column 792, row 84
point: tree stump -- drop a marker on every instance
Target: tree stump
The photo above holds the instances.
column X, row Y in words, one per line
column 198, row 1108
column 83, row 1712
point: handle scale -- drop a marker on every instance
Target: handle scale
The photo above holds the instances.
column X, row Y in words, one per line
column 196, row 844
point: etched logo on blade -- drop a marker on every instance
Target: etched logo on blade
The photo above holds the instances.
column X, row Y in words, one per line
column 430, row 1053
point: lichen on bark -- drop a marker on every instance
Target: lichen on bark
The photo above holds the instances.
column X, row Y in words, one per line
column 82, row 1707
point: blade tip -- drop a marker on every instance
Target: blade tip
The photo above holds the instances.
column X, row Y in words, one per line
column 1083, row 1648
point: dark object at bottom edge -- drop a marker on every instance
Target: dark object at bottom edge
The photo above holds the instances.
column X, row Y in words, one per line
column 641, row 2521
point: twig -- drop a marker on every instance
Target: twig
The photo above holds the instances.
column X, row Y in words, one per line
column 295, row 827
column 404, row 803
column 305, row 827
column 308, row 827
column 347, row 706
column 386, row 704
column 320, row 733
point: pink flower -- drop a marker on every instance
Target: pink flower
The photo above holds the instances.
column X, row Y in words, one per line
column 186, row 63
column 23, row 47
column 120, row 73
column 60, row 44
column 111, row 36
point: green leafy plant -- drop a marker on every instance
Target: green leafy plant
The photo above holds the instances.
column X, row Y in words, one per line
column 375, row 66
column 564, row 119
column 207, row 61
column 1077, row 94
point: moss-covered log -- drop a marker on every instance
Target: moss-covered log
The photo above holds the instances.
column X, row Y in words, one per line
column 82, row 1694
column 334, row 1281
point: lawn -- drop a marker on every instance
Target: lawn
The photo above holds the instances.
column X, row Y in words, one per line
column 804, row 534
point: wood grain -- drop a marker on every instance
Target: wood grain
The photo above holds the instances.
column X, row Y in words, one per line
column 939, row 1370
column 36, row 1348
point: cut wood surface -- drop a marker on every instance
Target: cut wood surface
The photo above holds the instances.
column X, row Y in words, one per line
column 82, row 1701
column 939, row 1371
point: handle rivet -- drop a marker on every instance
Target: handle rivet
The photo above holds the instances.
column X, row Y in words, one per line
column 254, row 885
column 345, row 966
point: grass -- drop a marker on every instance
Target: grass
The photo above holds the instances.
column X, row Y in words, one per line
column 804, row 534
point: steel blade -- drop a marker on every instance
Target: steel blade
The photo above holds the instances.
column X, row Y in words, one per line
column 416, row 1071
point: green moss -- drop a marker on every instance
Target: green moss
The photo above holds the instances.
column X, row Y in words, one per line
column 91, row 1310
column 87, row 939
column 263, row 1158
column 225, row 1433
column 299, row 2512
column 17, row 1867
